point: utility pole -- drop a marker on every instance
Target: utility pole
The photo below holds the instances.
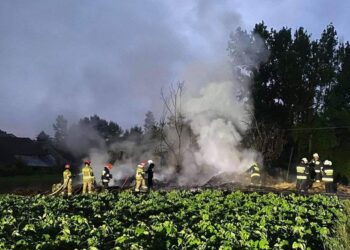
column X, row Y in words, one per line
column 290, row 160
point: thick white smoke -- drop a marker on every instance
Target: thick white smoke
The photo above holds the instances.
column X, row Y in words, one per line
column 215, row 104
column 124, row 167
column 218, row 114
column 217, row 108
column 120, row 170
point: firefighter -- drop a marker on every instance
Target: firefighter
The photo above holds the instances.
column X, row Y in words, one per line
column 316, row 165
column 140, row 180
column 327, row 176
column 106, row 175
column 254, row 174
column 150, row 174
column 302, row 175
column 67, row 180
column 88, row 177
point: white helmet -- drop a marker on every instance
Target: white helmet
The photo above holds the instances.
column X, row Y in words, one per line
column 304, row 160
column 327, row 162
column 150, row 161
column 315, row 155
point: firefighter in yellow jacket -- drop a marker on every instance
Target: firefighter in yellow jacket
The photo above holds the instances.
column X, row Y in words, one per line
column 88, row 177
column 67, row 180
column 139, row 177
column 255, row 178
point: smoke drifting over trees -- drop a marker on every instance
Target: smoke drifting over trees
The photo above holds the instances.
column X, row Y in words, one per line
column 211, row 125
column 109, row 58
column 245, row 94
column 202, row 127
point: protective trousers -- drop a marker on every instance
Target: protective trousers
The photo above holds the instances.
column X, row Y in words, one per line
column 68, row 184
column 298, row 186
column 304, row 185
column 329, row 187
column 140, row 183
column 255, row 180
column 87, row 184
column 105, row 185
column 150, row 182
column 302, row 182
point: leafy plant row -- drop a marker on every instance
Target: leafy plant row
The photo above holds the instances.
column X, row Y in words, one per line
column 172, row 220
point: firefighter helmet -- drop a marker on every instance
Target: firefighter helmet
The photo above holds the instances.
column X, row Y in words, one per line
column 304, row 160
column 150, row 161
column 142, row 163
column 87, row 162
column 327, row 162
column 316, row 156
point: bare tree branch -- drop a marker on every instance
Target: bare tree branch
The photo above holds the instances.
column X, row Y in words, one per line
column 172, row 107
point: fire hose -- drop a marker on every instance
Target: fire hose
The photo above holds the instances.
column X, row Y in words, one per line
column 126, row 179
column 62, row 187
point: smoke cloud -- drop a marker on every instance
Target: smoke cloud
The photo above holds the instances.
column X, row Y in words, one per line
column 219, row 117
column 111, row 57
column 216, row 106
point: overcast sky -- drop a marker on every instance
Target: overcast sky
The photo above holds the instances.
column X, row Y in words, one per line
column 111, row 58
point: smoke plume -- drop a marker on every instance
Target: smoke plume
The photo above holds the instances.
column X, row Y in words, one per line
column 219, row 117
column 216, row 104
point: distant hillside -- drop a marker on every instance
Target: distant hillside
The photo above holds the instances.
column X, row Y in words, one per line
column 5, row 134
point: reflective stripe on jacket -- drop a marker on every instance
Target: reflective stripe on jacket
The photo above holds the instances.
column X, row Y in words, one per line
column 327, row 179
column 301, row 177
column 106, row 176
column 302, row 171
column 254, row 174
column 255, row 171
column 328, row 174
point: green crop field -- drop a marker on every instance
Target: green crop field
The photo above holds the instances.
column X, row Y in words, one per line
column 173, row 220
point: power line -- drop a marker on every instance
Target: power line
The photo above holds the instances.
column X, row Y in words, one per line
column 317, row 128
column 313, row 128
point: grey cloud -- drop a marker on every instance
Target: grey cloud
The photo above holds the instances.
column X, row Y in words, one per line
column 111, row 58
column 65, row 56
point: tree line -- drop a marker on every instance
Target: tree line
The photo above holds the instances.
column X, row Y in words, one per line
column 77, row 139
column 300, row 91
